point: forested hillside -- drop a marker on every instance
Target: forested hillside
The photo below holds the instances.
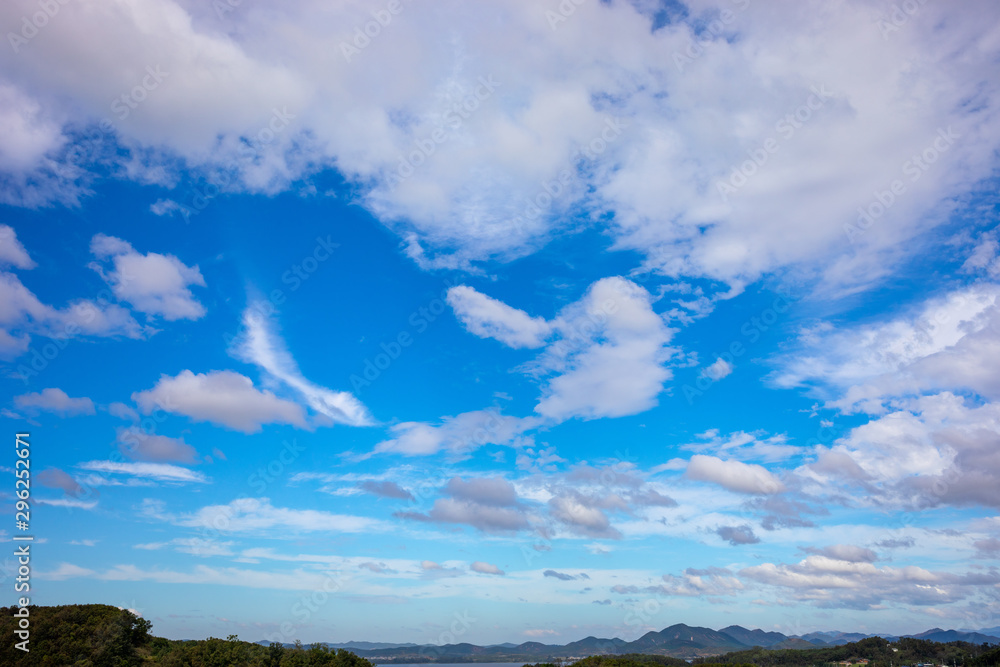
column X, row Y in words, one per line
column 97, row 635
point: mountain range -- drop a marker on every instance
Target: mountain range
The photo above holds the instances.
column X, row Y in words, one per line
column 680, row 641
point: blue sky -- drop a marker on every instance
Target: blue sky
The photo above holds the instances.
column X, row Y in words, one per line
column 618, row 316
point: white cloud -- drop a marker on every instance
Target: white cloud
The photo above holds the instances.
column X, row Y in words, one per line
column 56, row 400
column 488, row 504
column 123, row 411
column 220, row 397
column 486, row 568
column 142, row 446
column 458, row 435
column 23, row 314
column 835, row 583
column 195, row 546
column 949, row 342
column 937, row 450
column 744, row 446
column 160, row 472
column 733, row 475
column 27, row 135
column 68, row 502
column 719, row 369
column 608, row 357
column 489, row 318
column 258, row 514
column 611, row 355
column 11, row 250
column 263, row 347
column 154, row 284
column 583, row 515
column 503, row 162
column 708, row 582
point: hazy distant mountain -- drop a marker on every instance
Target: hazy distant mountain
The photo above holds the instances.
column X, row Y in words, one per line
column 944, row 636
column 679, row 641
column 595, row 646
column 683, row 641
column 838, row 638
column 369, row 645
column 753, row 637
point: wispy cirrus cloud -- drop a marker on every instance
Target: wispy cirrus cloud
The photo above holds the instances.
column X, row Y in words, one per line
column 260, row 345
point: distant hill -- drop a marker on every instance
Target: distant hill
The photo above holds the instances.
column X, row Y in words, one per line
column 684, row 641
column 944, row 636
column 753, row 637
column 839, row 638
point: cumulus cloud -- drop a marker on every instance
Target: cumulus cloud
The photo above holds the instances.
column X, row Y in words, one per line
column 55, row 400
column 585, row 514
column 737, row 535
column 694, row 582
column 142, row 446
column 458, row 435
column 845, row 552
column 840, row 584
column 561, row 576
column 221, row 397
column 607, row 355
column 733, row 475
column 22, row 314
column 948, row 342
column 385, row 489
column 486, row 568
column 261, row 346
column 488, row 504
column 489, row 318
column 154, row 284
column 59, row 479
column 936, row 451
column 719, row 369
column 609, row 360
column 503, row 179
column 12, row 252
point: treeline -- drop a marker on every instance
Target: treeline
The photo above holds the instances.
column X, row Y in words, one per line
column 637, row 660
column 879, row 652
column 97, row 635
